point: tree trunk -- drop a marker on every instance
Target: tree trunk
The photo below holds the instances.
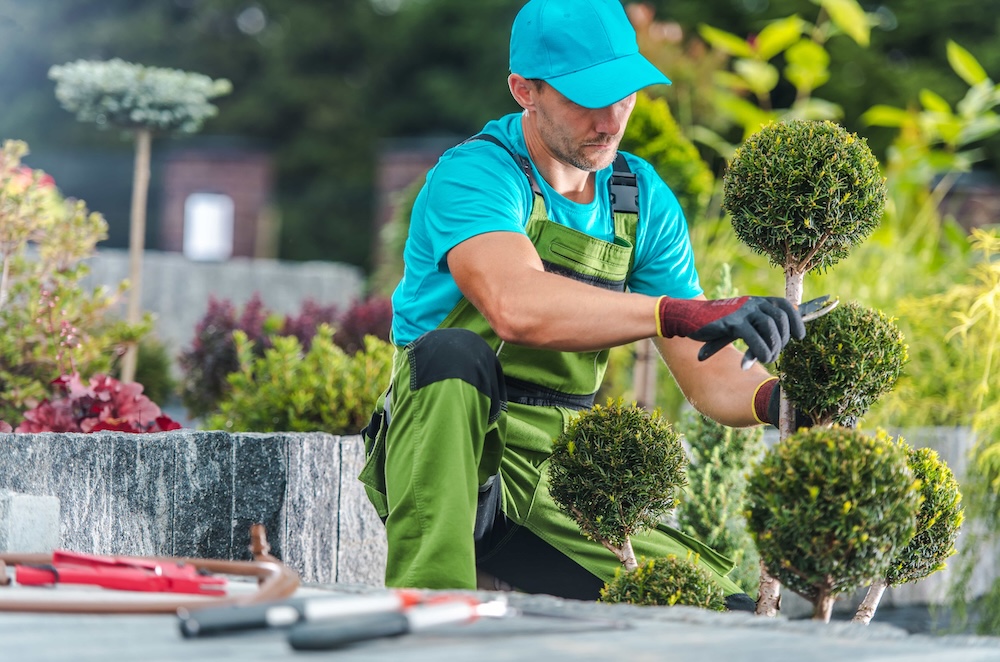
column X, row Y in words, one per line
column 868, row 606
column 644, row 373
column 136, row 244
column 823, row 608
column 793, row 292
column 769, row 595
column 769, row 598
column 628, row 556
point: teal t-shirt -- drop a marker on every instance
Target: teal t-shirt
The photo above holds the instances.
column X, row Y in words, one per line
column 476, row 187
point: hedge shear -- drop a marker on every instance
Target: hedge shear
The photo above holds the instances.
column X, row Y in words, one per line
column 809, row 310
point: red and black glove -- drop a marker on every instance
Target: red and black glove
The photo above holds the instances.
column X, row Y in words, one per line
column 765, row 324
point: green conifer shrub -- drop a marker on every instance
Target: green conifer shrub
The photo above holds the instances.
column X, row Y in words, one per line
column 668, row 581
column 849, row 358
column 830, row 508
column 938, row 521
column 616, row 469
column 803, row 193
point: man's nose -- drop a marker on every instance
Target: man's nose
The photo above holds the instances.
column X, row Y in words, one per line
column 610, row 119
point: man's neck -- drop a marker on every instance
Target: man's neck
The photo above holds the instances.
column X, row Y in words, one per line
column 566, row 180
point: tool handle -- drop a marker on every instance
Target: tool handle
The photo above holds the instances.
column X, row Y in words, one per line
column 348, row 630
column 209, row 621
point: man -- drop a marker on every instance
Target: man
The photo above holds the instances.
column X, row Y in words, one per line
column 529, row 255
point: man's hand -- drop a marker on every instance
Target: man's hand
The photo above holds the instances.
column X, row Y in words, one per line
column 765, row 324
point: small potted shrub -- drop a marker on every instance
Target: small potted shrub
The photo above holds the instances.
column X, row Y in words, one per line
column 668, row 581
column 830, row 508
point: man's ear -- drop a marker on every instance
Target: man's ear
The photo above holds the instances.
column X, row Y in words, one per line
column 522, row 91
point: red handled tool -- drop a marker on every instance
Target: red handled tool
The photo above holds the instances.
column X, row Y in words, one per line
column 120, row 573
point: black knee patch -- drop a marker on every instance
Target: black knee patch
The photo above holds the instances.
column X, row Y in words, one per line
column 458, row 354
column 740, row 602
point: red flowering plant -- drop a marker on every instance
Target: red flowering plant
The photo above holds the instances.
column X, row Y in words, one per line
column 104, row 403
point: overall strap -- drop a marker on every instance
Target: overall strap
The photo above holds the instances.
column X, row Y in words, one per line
column 623, row 186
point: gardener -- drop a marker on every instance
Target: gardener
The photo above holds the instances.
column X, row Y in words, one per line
column 527, row 259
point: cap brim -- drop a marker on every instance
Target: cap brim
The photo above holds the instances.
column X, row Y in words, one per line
column 609, row 82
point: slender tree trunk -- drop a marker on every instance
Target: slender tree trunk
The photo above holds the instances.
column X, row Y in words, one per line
column 769, row 598
column 868, row 606
column 644, row 373
column 823, row 608
column 769, row 594
column 136, row 245
column 793, row 292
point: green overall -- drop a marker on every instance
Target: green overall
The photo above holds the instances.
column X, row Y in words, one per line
column 456, row 421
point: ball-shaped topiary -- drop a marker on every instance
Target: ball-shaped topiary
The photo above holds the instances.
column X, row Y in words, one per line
column 667, row 581
column 803, row 192
column 849, row 358
column 617, row 469
column 829, row 508
column 938, row 520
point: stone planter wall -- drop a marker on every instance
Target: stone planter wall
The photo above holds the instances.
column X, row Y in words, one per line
column 193, row 493
column 189, row 493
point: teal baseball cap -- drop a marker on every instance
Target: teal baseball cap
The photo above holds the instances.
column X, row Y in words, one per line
column 585, row 49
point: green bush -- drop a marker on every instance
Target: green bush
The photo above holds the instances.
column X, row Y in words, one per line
column 616, row 469
column 829, row 508
column 668, row 581
column 938, row 520
column 713, row 508
column 653, row 134
column 325, row 389
column 51, row 325
column 803, row 193
column 849, row 358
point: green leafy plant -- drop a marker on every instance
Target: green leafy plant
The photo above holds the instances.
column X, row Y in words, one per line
column 142, row 100
column 212, row 355
column 849, row 358
column 653, row 134
column 714, row 504
column 325, row 389
column 51, row 324
column 830, row 508
column 616, row 470
column 668, row 581
column 938, row 520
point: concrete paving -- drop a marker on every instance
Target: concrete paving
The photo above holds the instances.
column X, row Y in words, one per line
column 546, row 628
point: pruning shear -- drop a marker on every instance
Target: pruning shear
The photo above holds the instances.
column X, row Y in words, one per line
column 809, row 310
column 121, row 573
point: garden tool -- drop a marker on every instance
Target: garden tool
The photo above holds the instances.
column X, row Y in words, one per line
column 444, row 610
column 809, row 310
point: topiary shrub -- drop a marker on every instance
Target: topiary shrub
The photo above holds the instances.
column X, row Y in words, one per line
column 668, row 581
column 829, row 508
column 938, row 521
column 803, row 193
column 616, row 470
column 287, row 389
column 849, row 358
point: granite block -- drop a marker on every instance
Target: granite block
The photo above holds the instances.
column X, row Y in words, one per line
column 260, row 463
column 361, row 544
column 142, row 469
column 29, row 523
column 80, row 476
column 312, row 517
column 203, row 495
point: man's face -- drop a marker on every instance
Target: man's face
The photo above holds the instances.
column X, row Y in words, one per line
column 585, row 138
